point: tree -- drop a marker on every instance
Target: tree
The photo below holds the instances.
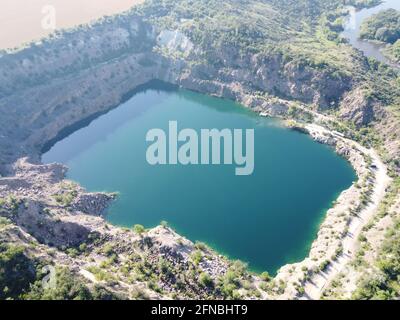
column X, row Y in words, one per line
column 396, row 50
column 139, row 229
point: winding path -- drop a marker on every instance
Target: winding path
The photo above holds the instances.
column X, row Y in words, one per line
column 315, row 287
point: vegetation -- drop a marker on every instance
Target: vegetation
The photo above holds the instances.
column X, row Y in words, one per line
column 232, row 281
column 17, row 271
column 364, row 3
column 68, row 287
column 291, row 34
column 394, row 51
column 139, row 229
column 205, row 280
column 384, row 283
column 384, row 26
column 4, row 221
column 380, row 275
column 196, row 257
column 100, row 274
column 21, row 278
column 66, row 198
column 269, row 27
column 295, row 35
column 265, row 276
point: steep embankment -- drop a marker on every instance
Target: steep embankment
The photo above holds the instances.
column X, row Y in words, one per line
column 47, row 88
column 58, row 83
column 260, row 56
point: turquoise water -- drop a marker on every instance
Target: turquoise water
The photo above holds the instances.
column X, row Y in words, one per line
column 267, row 219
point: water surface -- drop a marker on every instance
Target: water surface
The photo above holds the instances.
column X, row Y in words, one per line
column 267, row 219
column 353, row 25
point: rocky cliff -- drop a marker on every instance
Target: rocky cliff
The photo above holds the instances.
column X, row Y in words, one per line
column 54, row 87
column 57, row 85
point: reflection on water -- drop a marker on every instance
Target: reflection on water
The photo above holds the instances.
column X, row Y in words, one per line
column 353, row 25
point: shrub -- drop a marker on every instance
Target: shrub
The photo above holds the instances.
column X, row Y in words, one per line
column 205, row 280
column 100, row 274
column 68, row 287
column 65, row 199
column 108, row 249
column 17, row 271
column 201, row 246
column 324, row 265
column 196, row 257
column 4, row 221
column 139, row 229
column 265, row 276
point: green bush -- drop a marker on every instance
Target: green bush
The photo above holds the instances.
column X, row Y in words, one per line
column 205, row 280
column 324, row 265
column 139, row 229
column 196, row 257
column 68, row 287
column 384, row 284
column 17, row 271
column 383, row 26
column 265, row 276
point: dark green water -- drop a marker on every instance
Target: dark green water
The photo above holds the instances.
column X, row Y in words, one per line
column 267, row 219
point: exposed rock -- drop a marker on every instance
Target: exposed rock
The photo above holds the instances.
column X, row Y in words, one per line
column 92, row 203
column 175, row 41
column 51, row 89
column 359, row 108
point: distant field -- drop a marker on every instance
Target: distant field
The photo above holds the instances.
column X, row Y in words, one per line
column 20, row 20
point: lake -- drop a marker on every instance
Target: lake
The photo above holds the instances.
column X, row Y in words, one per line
column 267, row 219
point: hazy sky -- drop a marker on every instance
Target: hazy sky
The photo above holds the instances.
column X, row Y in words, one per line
column 21, row 20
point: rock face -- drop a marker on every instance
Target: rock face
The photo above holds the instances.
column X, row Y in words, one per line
column 359, row 108
column 35, row 189
column 74, row 51
column 279, row 78
column 52, row 232
column 50, row 89
column 175, row 41
column 92, row 203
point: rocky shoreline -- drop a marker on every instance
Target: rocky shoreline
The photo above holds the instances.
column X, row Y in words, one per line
column 59, row 216
column 327, row 247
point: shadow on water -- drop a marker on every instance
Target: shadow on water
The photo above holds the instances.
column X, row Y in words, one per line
column 135, row 110
column 276, row 214
column 136, row 103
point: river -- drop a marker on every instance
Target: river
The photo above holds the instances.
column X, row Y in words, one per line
column 353, row 25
